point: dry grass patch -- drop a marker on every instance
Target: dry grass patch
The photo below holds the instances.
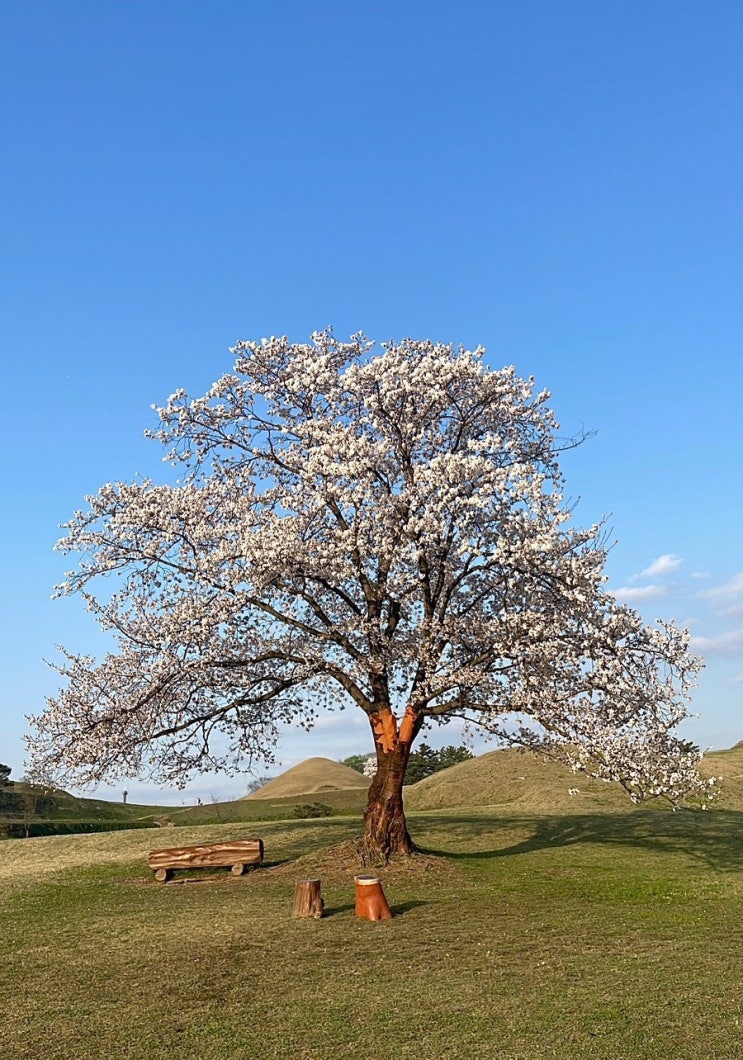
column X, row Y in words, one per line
column 342, row 861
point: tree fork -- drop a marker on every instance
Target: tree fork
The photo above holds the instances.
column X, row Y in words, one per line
column 385, row 827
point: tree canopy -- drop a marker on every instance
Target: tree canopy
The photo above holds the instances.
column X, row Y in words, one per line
column 380, row 528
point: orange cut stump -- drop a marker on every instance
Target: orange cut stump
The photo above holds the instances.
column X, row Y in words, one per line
column 370, row 900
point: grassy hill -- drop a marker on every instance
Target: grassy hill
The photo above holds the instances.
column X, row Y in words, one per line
column 728, row 765
column 315, row 776
column 25, row 811
column 30, row 810
column 524, row 782
column 510, row 780
column 346, row 802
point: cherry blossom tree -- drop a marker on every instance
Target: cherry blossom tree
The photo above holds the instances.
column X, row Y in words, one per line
column 382, row 528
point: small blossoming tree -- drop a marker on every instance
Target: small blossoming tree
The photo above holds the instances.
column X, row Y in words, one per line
column 383, row 529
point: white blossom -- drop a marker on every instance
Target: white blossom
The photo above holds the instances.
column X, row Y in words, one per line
column 352, row 525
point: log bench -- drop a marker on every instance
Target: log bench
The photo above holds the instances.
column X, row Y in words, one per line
column 236, row 856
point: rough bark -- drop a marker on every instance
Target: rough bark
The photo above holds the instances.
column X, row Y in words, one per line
column 385, row 828
column 237, row 852
column 308, row 899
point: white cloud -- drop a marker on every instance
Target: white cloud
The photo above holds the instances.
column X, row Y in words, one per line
column 629, row 595
column 738, row 679
column 728, row 597
column 728, row 645
column 662, row 565
column 343, row 720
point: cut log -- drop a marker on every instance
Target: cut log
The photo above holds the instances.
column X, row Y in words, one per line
column 307, row 899
column 234, row 855
column 370, row 900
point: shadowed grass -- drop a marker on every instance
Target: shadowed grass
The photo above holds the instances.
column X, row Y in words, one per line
column 527, row 937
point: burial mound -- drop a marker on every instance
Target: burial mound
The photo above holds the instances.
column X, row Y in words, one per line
column 312, row 777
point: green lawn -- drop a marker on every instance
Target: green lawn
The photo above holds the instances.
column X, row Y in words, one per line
column 575, row 936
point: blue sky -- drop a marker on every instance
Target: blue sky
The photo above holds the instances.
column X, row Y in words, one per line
column 558, row 181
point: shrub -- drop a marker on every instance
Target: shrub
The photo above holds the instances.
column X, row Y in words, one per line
column 312, row 809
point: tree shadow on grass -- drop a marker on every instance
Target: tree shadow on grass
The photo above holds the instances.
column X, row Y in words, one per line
column 401, row 908
column 397, row 908
column 714, row 837
column 338, row 910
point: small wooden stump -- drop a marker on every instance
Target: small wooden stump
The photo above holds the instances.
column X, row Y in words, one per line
column 234, row 855
column 370, row 900
column 307, row 899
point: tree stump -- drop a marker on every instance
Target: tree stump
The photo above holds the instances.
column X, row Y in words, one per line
column 370, row 900
column 307, row 899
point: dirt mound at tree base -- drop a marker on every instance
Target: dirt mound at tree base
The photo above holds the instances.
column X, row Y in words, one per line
column 312, row 777
column 345, row 860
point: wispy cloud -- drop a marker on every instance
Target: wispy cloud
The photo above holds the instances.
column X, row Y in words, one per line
column 662, row 565
column 727, row 597
column 631, row 594
column 342, row 720
column 727, row 645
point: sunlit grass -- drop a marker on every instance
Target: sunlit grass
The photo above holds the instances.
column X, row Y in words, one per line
column 526, row 937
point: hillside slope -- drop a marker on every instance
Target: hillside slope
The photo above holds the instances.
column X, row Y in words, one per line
column 728, row 765
column 313, row 777
column 527, row 783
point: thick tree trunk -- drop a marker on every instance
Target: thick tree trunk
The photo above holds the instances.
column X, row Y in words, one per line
column 385, row 829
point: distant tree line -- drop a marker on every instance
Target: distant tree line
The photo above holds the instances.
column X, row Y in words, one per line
column 257, row 783
column 24, row 800
column 423, row 762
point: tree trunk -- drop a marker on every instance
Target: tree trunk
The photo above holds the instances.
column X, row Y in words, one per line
column 385, row 829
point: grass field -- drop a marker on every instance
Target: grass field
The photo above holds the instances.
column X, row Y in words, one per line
column 72, row 814
column 517, row 936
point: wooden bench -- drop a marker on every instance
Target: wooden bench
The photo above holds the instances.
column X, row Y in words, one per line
column 236, row 856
